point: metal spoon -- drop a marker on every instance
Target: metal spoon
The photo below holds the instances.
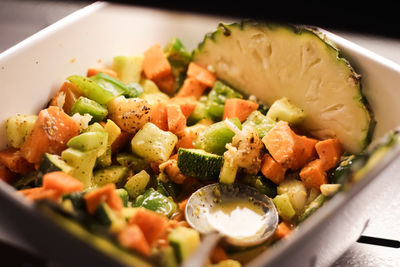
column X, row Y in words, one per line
column 238, row 213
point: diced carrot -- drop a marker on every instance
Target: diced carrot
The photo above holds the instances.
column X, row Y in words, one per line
column 329, row 151
column 174, row 156
column 6, row 175
column 176, row 119
column 284, row 145
column 186, row 138
column 121, row 141
column 217, row 255
column 133, row 238
column 313, row 175
column 94, row 198
column 61, row 182
column 206, row 77
column 182, row 204
column 308, row 152
column 71, row 94
column 191, row 87
column 13, row 159
column 152, row 224
column 155, row 63
column 282, row 230
column 187, row 104
column 39, row 193
column 93, row 71
column 50, row 133
column 238, row 108
column 272, row 170
column 166, row 83
column 114, row 201
column 158, row 116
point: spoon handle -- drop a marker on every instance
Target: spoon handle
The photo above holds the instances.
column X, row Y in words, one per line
column 199, row 257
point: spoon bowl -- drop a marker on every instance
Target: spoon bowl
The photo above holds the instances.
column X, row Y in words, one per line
column 242, row 215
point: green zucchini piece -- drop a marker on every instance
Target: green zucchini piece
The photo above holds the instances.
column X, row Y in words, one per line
column 167, row 257
column 18, row 127
column 184, row 241
column 52, row 163
column 169, row 189
column 214, row 138
column 260, row 123
column 199, row 163
column 104, row 215
column 153, row 144
column 155, row 201
column 113, row 174
column 228, row 172
column 137, row 184
column 85, row 105
column 297, row 63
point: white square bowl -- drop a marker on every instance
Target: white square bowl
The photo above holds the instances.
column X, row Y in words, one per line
column 32, row 71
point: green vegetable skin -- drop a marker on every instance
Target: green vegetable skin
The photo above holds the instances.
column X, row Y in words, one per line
column 217, row 97
column 85, row 105
column 214, row 138
column 260, row 123
column 179, row 58
column 157, row 202
column 94, row 91
column 200, row 164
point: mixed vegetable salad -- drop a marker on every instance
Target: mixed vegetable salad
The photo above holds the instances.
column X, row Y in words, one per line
column 121, row 149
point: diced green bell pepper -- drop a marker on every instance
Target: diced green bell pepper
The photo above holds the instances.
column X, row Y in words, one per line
column 214, row 138
column 85, row 105
column 260, row 123
column 217, row 97
column 155, row 201
column 129, row 90
column 261, row 183
column 92, row 90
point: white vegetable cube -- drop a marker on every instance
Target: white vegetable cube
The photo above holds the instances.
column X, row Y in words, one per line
column 153, row 144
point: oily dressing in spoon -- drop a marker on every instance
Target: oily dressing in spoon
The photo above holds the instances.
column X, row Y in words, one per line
column 239, row 218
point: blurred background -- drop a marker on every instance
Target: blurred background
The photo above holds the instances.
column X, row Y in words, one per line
column 371, row 24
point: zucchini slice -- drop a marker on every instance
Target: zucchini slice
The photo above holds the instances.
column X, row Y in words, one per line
column 273, row 61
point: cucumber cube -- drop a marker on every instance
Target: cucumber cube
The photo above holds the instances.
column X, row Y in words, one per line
column 284, row 206
column 18, row 127
column 82, row 162
column 153, row 144
column 284, row 110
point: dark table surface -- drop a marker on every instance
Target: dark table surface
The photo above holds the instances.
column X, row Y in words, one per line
column 20, row 19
